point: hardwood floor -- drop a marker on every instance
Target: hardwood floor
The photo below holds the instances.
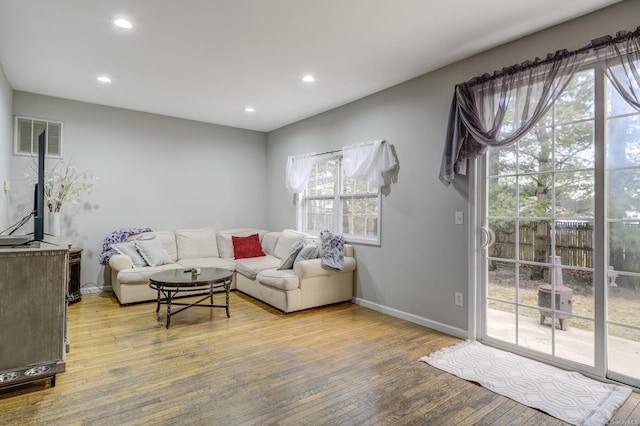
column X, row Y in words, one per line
column 342, row 364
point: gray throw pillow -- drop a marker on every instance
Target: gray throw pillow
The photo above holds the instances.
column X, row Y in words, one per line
column 152, row 251
column 290, row 257
column 128, row 248
column 310, row 251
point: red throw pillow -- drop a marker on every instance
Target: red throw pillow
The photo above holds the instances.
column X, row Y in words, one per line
column 244, row 247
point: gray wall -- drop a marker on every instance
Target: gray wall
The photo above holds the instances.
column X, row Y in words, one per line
column 6, row 129
column 161, row 172
column 423, row 258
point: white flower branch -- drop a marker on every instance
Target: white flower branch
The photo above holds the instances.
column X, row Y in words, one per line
column 65, row 184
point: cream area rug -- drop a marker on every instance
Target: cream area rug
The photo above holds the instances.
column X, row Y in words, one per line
column 566, row 395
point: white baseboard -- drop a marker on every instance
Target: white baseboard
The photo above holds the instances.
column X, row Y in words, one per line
column 88, row 289
column 443, row 328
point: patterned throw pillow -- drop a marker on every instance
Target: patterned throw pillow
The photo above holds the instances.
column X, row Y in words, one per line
column 244, row 247
column 290, row 257
column 128, row 248
column 309, row 251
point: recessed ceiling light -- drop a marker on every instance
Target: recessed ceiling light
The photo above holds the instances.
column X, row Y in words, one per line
column 308, row 79
column 249, row 109
column 122, row 23
column 103, row 79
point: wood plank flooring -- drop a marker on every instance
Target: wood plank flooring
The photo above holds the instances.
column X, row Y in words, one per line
column 337, row 365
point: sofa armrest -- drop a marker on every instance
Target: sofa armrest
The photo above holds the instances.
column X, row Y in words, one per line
column 313, row 268
column 118, row 262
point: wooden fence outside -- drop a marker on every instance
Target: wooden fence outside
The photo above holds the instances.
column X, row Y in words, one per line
column 574, row 243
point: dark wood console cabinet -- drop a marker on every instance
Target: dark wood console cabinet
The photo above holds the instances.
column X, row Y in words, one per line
column 75, row 260
column 33, row 312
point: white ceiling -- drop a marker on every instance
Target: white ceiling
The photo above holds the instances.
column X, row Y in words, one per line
column 207, row 60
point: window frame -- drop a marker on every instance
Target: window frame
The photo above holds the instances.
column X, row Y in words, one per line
column 34, row 139
column 338, row 197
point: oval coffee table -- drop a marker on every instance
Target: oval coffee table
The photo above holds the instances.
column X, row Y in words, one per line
column 175, row 281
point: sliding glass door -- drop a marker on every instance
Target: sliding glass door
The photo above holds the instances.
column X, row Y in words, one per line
column 560, row 267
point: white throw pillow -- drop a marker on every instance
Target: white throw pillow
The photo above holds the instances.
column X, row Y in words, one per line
column 128, row 248
column 290, row 257
column 309, row 251
column 152, row 251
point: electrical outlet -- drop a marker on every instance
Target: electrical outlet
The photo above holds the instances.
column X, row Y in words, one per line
column 459, row 218
column 459, row 299
column 7, row 185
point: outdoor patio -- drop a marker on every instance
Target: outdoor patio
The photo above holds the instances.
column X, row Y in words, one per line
column 574, row 344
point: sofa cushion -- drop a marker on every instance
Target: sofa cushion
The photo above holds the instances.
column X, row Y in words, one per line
column 152, row 251
column 269, row 241
column 208, row 262
column 309, row 251
column 286, row 240
column 128, row 248
column 193, row 243
column 282, row 279
column 225, row 243
column 244, row 247
column 250, row 267
column 287, row 261
column 141, row 275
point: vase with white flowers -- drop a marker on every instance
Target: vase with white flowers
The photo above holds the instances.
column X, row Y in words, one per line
column 64, row 184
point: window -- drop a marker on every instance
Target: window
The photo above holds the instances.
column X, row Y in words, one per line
column 342, row 205
column 27, row 130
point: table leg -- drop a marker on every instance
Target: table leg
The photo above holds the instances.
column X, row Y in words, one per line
column 169, row 294
column 158, row 307
column 227, row 287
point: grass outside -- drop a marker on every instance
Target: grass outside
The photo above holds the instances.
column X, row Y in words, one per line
column 623, row 303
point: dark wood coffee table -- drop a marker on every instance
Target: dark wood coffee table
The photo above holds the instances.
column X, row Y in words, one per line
column 173, row 282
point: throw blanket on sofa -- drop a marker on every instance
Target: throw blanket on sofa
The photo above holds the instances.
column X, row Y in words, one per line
column 117, row 236
column 332, row 250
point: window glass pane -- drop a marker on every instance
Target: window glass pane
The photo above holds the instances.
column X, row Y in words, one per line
column 574, row 244
column 322, row 179
column 535, row 195
column 624, row 249
column 535, row 243
column 319, row 214
column 616, row 105
column 535, row 151
column 623, row 141
column 502, row 196
column 502, row 161
column 504, row 246
column 360, row 216
column 577, row 100
column 502, row 281
column 353, row 186
column 574, row 147
column 623, row 194
column 575, row 194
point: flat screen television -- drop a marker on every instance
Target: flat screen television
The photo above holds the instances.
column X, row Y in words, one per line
column 38, row 208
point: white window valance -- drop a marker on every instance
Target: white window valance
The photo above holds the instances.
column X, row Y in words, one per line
column 297, row 172
column 368, row 161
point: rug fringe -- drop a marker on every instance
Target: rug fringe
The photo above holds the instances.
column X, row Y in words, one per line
column 444, row 351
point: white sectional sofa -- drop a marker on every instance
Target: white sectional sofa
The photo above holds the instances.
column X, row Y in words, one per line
column 308, row 284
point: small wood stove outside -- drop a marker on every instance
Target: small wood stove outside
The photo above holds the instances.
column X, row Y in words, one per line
column 563, row 297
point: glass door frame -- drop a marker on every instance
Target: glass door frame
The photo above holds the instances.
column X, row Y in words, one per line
column 478, row 256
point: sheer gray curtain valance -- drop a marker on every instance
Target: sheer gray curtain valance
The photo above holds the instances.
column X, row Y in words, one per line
column 496, row 110
column 619, row 57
